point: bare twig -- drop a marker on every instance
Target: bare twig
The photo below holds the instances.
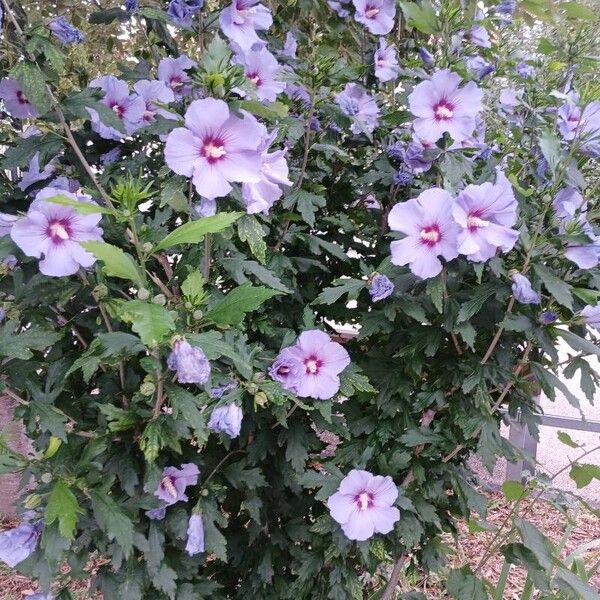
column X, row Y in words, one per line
column 390, row 588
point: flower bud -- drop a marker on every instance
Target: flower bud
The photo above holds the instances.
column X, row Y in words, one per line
column 46, row 477
column 261, row 399
column 147, row 247
column 252, row 388
column 100, row 291
column 198, row 314
column 143, row 294
column 147, row 388
column 159, row 299
column 32, row 501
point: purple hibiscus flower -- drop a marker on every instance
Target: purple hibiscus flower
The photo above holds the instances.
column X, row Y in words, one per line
column 413, row 156
column 215, row 148
column 376, row 15
column 591, row 316
column 380, row 287
column 568, row 116
column 16, row 103
column 430, row 232
column 152, row 92
column 195, row 535
column 18, row 543
column 131, row 6
column 189, row 362
column 505, row 10
column 311, row 367
column 6, row 223
column 486, row 214
column 509, row 99
column 240, row 20
column 182, row 12
column 207, row 207
column 571, row 207
column 441, row 106
column 261, row 68
column 356, row 103
column 260, row 196
column 386, row 62
column 52, row 232
column 479, row 36
column 173, row 72
column 479, row 67
column 548, row 317
column 129, row 108
column 33, row 174
column 525, row 70
column 39, row 596
column 65, row 32
column 298, row 93
column 586, row 127
column 363, row 505
column 522, row 290
column 174, row 482
column 156, row 514
column 226, row 419
column 338, row 8
column 290, row 48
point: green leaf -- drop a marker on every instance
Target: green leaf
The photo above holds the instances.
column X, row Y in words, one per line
column 435, row 290
column 272, row 110
column 113, row 520
column 421, row 17
column 566, row 439
column 50, row 418
column 575, row 586
column 418, row 436
column 251, row 231
column 535, row 541
column 475, row 304
column 63, row 506
column 556, row 286
column 21, row 153
column 108, row 16
column 33, row 84
column 575, row 10
column 19, row 345
column 578, row 343
column 85, row 208
column 550, row 146
column 150, row 321
column 117, row 263
column 193, row 288
column 550, row 383
column 306, row 203
column 194, row 231
column 78, row 104
column 513, row 490
column 188, row 407
column 582, row 474
column 463, row 585
column 233, row 307
column 352, row 287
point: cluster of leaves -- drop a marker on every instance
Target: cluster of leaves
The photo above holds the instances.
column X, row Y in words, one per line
column 85, row 356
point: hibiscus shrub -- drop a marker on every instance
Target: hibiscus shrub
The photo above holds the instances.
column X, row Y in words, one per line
column 269, row 272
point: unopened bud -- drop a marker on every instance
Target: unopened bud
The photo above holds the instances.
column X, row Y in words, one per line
column 100, row 291
column 147, row 247
column 198, row 314
column 252, row 388
column 46, row 477
column 147, row 388
column 204, row 493
column 143, row 294
column 261, row 399
column 33, row 501
column 159, row 299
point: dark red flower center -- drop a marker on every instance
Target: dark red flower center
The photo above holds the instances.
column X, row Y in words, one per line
column 59, row 230
column 168, row 484
column 364, row 500
column 254, row 78
column 213, row 149
column 431, row 235
column 119, row 109
column 474, row 221
column 371, row 11
column 21, row 97
column 443, row 110
column 312, row 365
column 175, row 82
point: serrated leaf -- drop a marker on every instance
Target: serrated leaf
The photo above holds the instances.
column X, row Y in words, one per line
column 352, row 287
column 550, row 147
column 193, row 288
column 550, row 383
column 117, row 263
column 574, row 10
column 251, row 231
column 583, row 474
column 150, row 321
column 578, row 343
column 188, row 407
column 63, row 506
column 513, row 490
column 463, row 585
column 474, row 305
column 566, row 439
column 556, row 286
column 194, row 231
column 420, row 16
column 33, row 84
column 113, row 520
column 435, row 290
column 85, row 208
column 239, row 301
column 19, row 345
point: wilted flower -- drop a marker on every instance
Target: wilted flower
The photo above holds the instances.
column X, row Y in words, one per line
column 486, row 214
column 156, row 514
column 441, row 106
column 291, row 45
column 548, row 317
column 363, row 505
column 189, row 361
column 376, row 15
column 19, row 543
column 260, row 196
column 426, row 57
column 505, row 10
column 33, row 174
column 261, row 68
column 16, row 103
column 219, row 390
column 131, row 6
column 311, row 367
column 173, row 72
column 522, row 290
column 525, row 70
column 182, row 12
column 356, row 103
column 65, row 32
column 414, row 156
column 403, row 177
column 52, row 232
column 207, row 207
column 591, row 316
column 226, row 419
column 380, row 287
column 240, row 20
column 129, row 108
column 479, row 67
column 479, row 36
column 174, row 482
column 195, row 535
column 338, row 8
column 430, row 232
column 215, row 148
column 10, row 261
column 371, row 203
column 386, row 62
column 298, row 93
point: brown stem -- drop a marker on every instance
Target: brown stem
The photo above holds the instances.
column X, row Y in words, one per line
column 390, row 588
